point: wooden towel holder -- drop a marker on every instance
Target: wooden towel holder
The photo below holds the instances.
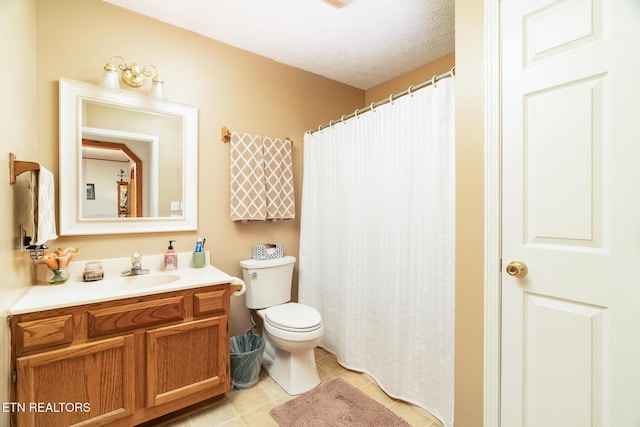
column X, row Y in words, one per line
column 225, row 135
column 16, row 167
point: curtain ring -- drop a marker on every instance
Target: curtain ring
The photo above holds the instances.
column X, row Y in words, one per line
column 342, row 118
column 409, row 90
column 319, row 128
column 355, row 113
column 453, row 71
column 371, row 107
column 331, row 124
column 391, row 99
column 433, row 81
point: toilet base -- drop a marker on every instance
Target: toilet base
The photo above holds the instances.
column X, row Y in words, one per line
column 295, row 371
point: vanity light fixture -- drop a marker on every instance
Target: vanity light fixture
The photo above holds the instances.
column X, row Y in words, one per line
column 133, row 75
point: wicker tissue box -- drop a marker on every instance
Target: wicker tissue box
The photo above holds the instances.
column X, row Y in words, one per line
column 268, row 251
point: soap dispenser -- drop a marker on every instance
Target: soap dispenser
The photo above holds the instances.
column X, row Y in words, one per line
column 170, row 258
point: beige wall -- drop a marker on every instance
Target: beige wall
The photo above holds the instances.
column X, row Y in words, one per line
column 414, row 77
column 231, row 87
column 469, row 213
column 17, row 133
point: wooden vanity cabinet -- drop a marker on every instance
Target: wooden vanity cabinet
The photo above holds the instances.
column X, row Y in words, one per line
column 122, row 362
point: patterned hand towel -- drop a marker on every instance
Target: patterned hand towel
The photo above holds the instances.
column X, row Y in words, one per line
column 278, row 169
column 43, row 206
column 248, row 194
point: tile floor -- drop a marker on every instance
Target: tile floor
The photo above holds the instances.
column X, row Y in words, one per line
column 250, row 407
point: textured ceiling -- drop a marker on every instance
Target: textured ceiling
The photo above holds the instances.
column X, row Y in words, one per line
column 363, row 44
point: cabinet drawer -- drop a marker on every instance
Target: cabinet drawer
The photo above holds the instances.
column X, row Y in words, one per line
column 44, row 333
column 211, row 303
column 137, row 315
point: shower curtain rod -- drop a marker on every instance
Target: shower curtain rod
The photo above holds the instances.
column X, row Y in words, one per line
column 373, row 105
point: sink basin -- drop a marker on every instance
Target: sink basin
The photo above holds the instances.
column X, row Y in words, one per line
column 141, row 281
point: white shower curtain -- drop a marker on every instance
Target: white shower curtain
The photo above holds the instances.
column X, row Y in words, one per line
column 377, row 244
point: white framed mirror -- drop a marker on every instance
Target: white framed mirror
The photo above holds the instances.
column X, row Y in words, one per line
column 111, row 140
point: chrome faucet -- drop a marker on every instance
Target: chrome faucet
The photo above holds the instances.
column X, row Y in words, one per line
column 136, row 266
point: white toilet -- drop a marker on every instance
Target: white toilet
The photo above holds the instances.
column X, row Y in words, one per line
column 291, row 331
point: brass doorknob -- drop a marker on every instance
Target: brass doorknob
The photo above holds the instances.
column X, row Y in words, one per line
column 517, row 269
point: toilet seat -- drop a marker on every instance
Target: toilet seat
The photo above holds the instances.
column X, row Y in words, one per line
column 293, row 317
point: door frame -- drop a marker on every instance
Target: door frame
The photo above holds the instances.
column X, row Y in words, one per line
column 492, row 214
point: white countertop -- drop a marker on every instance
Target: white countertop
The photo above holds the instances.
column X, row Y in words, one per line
column 113, row 286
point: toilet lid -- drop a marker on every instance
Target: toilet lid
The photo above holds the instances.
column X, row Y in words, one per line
column 293, row 316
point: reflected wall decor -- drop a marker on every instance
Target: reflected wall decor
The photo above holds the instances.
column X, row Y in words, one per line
column 91, row 192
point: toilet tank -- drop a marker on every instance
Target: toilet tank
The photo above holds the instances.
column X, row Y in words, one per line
column 268, row 281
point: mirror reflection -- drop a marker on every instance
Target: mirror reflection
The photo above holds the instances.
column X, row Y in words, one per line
column 139, row 148
column 128, row 163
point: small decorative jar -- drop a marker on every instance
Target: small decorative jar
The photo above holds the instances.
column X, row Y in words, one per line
column 57, row 276
column 93, row 271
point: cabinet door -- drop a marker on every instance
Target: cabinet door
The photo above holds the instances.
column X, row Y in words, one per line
column 189, row 361
column 88, row 384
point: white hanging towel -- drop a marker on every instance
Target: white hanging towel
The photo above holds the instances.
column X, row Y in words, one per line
column 43, row 206
column 248, row 196
column 278, row 169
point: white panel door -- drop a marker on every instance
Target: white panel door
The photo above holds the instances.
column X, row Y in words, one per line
column 571, row 212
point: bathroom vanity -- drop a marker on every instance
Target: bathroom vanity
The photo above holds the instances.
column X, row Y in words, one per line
column 125, row 359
